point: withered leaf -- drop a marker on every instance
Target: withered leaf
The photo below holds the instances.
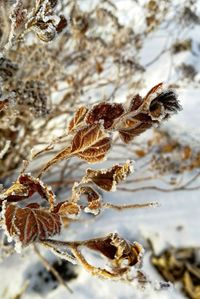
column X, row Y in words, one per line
column 159, row 103
column 77, row 119
column 118, row 249
column 104, row 111
column 69, row 209
column 153, row 90
column 31, row 223
column 62, row 24
column 135, row 103
column 25, row 186
column 127, row 135
column 93, row 198
column 142, row 114
column 191, row 288
column 107, row 179
column 91, row 143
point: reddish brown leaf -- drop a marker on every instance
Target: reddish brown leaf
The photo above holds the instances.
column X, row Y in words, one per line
column 135, row 102
column 153, row 90
column 127, row 135
column 116, row 248
column 31, row 224
column 106, row 112
column 25, row 187
column 157, row 105
column 107, row 179
column 36, row 185
column 91, row 143
column 62, row 24
column 77, row 119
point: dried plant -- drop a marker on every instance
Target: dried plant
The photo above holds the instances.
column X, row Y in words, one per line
column 55, row 56
column 89, row 137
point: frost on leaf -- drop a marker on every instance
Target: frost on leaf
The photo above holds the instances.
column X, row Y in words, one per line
column 107, row 179
column 89, row 143
column 44, row 22
column 25, row 186
column 93, row 198
column 159, row 103
column 121, row 254
column 77, row 119
column 142, row 114
column 106, row 112
column 68, row 209
column 117, row 249
column 31, row 223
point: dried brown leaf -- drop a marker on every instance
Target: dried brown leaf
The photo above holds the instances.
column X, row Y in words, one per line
column 77, row 119
column 158, row 104
column 105, row 112
column 127, row 135
column 107, row 179
column 69, row 209
column 25, row 186
column 91, row 143
column 117, row 249
column 31, row 223
column 93, row 198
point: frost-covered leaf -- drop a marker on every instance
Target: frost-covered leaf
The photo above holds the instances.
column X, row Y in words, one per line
column 30, row 224
column 105, row 112
column 77, row 119
column 116, row 248
column 107, row 179
column 91, row 143
column 68, row 209
column 93, row 198
column 25, row 186
column 142, row 114
column 128, row 134
column 121, row 254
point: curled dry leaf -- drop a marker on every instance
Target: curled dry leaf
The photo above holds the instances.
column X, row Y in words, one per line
column 78, row 118
column 105, row 112
column 68, row 209
column 122, row 255
column 30, row 224
column 107, row 179
column 93, row 198
column 142, row 114
column 25, row 186
column 117, row 249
